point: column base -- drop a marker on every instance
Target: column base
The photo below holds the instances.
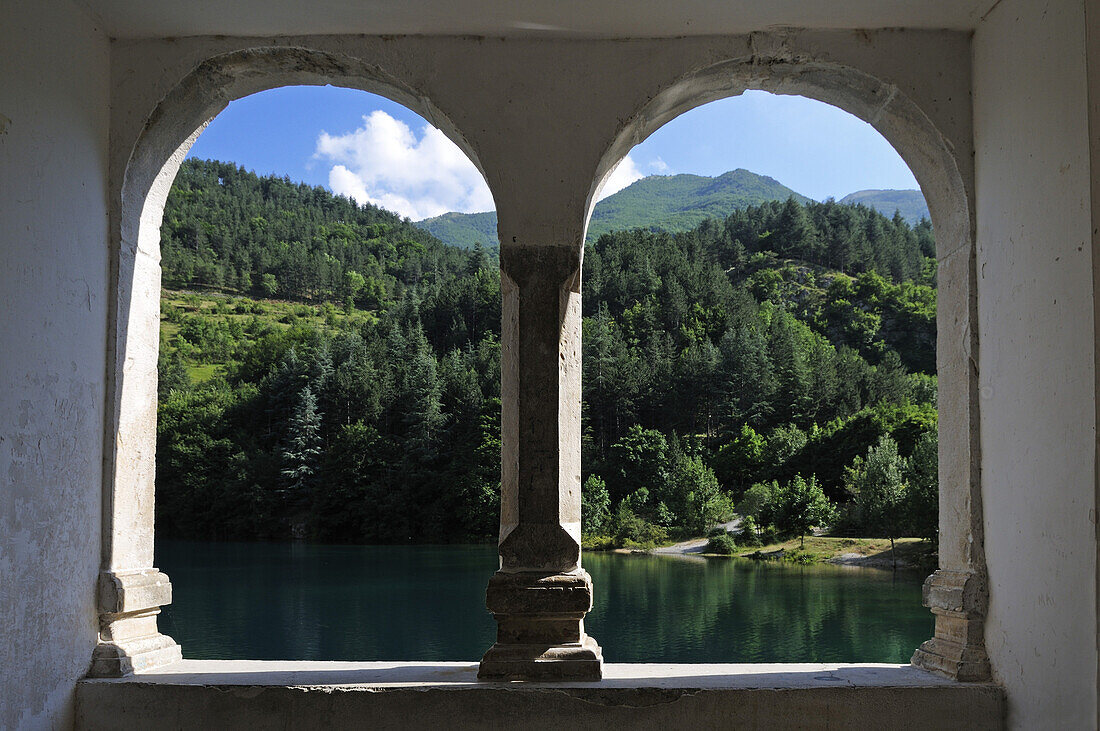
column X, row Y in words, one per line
column 540, row 628
column 581, row 661
column 958, row 599
column 952, row 660
column 119, row 659
column 129, row 641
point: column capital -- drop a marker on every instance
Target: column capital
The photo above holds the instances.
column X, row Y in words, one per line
column 133, row 591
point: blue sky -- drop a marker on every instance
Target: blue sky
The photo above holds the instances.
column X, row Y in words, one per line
column 372, row 149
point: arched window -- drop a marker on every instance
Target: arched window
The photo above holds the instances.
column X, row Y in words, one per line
column 541, row 593
column 956, row 593
column 318, row 273
column 744, row 347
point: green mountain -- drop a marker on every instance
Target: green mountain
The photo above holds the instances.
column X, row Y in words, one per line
column 910, row 203
column 681, row 202
column 463, row 229
column 660, row 202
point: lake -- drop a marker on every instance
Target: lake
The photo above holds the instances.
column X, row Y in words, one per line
column 295, row 601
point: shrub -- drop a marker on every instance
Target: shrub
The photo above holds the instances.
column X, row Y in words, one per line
column 172, row 313
column 801, row 557
column 723, row 544
column 768, row 535
column 633, row 531
column 598, row 543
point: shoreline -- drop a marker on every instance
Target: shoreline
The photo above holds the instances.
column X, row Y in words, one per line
column 873, row 553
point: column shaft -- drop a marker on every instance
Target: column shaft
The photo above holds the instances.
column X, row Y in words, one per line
column 958, row 593
column 540, row 594
column 131, row 591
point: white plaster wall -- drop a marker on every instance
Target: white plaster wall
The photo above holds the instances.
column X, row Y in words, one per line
column 1036, row 334
column 53, row 284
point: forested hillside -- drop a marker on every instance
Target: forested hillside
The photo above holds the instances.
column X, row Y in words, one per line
column 332, row 372
column 227, row 228
column 732, row 356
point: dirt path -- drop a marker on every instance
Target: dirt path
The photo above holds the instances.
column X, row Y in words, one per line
column 698, row 545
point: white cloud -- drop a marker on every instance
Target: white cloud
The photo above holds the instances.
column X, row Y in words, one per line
column 623, row 174
column 658, row 165
column 384, row 163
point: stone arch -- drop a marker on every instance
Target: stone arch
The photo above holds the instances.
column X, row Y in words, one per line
column 131, row 591
column 957, row 591
column 181, row 116
column 880, row 104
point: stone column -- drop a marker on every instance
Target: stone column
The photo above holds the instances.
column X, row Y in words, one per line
column 957, row 593
column 131, row 591
column 540, row 594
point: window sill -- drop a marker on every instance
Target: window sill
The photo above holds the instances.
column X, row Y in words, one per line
column 261, row 694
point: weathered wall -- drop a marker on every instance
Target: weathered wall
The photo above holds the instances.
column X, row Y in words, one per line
column 1092, row 50
column 1037, row 378
column 53, row 283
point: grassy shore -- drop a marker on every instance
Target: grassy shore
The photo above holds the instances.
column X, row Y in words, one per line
column 867, row 552
column 873, row 552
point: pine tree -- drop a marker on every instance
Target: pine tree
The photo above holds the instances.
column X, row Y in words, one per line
column 422, row 407
column 749, row 384
column 792, row 377
column 301, row 449
column 697, row 369
column 794, row 235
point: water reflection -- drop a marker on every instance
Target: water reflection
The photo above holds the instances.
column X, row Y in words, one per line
column 658, row 608
column 269, row 601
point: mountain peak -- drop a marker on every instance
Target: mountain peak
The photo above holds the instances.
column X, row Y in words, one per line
column 673, row 203
column 910, row 203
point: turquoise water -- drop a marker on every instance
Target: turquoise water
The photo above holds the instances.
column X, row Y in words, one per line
column 292, row 601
